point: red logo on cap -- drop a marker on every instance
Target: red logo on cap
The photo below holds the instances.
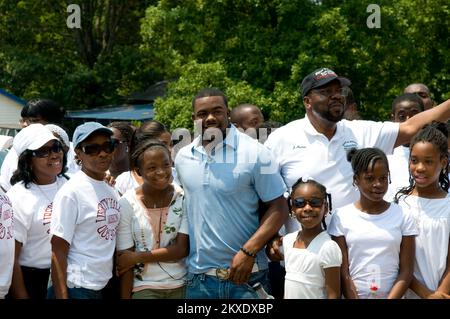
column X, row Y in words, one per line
column 324, row 73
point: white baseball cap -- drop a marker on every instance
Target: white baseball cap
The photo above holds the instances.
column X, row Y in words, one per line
column 32, row 137
column 55, row 129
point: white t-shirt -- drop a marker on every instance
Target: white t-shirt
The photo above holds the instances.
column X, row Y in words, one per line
column 305, row 276
column 6, row 244
column 303, row 152
column 135, row 230
column 432, row 217
column 86, row 214
column 33, row 212
column 373, row 243
column 9, row 165
column 399, row 171
column 126, row 181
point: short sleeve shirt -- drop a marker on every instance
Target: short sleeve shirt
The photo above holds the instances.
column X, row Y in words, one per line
column 303, row 152
column 222, row 189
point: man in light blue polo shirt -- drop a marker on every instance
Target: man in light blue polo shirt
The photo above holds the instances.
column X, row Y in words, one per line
column 224, row 173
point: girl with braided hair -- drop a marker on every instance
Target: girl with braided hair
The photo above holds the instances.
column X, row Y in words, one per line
column 152, row 238
column 312, row 259
column 376, row 237
column 428, row 200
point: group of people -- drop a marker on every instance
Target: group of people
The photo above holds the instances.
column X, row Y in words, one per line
column 208, row 222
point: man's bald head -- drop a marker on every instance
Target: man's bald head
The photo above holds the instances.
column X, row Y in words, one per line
column 421, row 90
column 247, row 116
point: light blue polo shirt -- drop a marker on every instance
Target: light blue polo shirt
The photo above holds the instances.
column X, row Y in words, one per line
column 221, row 197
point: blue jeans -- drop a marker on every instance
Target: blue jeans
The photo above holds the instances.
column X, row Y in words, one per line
column 201, row 286
column 77, row 293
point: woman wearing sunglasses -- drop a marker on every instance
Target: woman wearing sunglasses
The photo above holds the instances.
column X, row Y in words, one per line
column 312, row 259
column 85, row 218
column 38, row 177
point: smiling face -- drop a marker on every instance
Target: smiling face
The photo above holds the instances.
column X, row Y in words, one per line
column 45, row 169
column 373, row 183
column 425, row 165
column 155, row 168
column 309, row 206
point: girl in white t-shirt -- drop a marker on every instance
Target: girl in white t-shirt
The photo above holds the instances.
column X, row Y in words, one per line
column 38, row 177
column 376, row 238
column 85, row 218
column 6, row 244
column 312, row 259
column 153, row 231
column 428, row 200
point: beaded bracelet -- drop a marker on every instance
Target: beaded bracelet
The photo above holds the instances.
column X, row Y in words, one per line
column 245, row 251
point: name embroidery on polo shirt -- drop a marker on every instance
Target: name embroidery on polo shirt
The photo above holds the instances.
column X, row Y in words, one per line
column 348, row 145
column 298, row 147
column 108, row 214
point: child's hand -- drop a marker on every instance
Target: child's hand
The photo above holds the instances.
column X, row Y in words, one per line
column 126, row 260
column 274, row 250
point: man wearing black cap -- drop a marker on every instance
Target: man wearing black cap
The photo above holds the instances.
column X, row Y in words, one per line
column 316, row 145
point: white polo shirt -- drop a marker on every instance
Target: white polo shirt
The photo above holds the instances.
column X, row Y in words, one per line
column 399, row 170
column 303, row 152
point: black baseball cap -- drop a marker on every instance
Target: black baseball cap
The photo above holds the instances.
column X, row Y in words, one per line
column 321, row 77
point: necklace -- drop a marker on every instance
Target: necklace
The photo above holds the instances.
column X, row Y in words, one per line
column 155, row 217
column 50, row 201
column 151, row 203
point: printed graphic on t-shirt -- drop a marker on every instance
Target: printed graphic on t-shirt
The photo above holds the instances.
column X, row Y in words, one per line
column 6, row 215
column 47, row 217
column 108, row 218
column 373, row 281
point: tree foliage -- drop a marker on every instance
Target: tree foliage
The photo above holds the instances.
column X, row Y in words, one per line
column 272, row 45
column 256, row 51
column 87, row 67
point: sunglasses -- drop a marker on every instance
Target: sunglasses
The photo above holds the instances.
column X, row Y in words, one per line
column 301, row 202
column 45, row 151
column 95, row 149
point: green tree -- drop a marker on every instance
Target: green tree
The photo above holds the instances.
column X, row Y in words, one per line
column 263, row 49
column 272, row 45
column 79, row 68
column 176, row 109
